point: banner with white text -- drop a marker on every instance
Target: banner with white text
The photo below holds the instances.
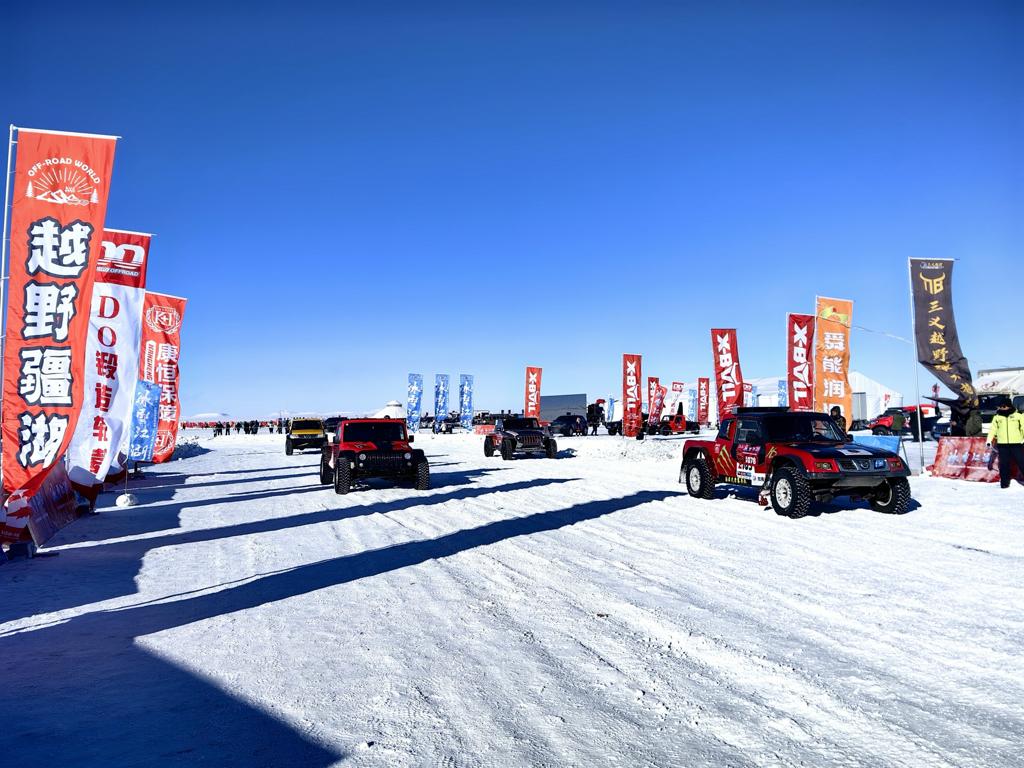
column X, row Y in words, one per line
column 832, row 356
column 632, row 414
column 466, row 401
column 440, row 400
column 800, row 361
column 59, row 201
column 158, row 363
column 531, row 406
column 728, row 375
column 414, row 402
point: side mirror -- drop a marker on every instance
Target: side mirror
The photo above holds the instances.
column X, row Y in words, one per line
column 411, row 438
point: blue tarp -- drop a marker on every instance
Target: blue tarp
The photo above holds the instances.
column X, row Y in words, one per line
column 885, row 442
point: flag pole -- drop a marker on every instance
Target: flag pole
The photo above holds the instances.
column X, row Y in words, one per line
column 917, row 371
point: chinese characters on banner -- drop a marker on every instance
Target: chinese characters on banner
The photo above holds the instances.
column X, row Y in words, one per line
column 531, row 409
column 632, row 416
column 657, row 405
column 938, row 345
column 414, row 402
column 145, row 421
column 466, row 401
column 703, row 399
column 440, row 400
column 61, row 185
column 799, row 362
column 728, row 376
column 111, row 358
column 158, row 363
column 832, row 356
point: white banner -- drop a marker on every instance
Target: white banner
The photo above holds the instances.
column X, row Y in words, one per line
column 111, row 359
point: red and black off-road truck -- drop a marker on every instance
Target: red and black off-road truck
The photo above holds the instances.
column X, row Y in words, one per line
column 796, row 457
column 364, row 448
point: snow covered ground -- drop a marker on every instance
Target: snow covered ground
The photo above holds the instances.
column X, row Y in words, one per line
column 581, row 611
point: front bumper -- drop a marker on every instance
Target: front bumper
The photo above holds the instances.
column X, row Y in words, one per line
column 383, row 465
column 853, row 481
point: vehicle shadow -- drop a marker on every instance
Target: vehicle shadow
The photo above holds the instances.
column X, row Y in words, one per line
column 817, row 509
column 86, row 692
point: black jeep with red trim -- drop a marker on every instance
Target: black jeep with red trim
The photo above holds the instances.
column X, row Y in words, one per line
column 364, row 448
column 796, row 457
column 518, row 434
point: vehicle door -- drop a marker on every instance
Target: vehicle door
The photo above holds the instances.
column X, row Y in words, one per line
column 748, row 450
column 723, row 463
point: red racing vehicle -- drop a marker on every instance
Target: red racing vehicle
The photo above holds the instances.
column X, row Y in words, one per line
column 797, row 457
column 364, row 448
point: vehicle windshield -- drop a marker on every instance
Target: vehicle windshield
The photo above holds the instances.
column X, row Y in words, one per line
column 374, row 432
column 563, row 419
column 521, row 424
column 307, row 424
column 800, row 427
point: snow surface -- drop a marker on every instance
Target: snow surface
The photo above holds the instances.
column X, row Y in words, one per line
column 581, row 611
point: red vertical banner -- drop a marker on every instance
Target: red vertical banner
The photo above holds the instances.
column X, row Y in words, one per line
column 703, row 399
column 728, row 376
column 800, row 361
column 158, row 363
column 61, row 186
column 531, row 408
column 632, row 415
column 653, row 387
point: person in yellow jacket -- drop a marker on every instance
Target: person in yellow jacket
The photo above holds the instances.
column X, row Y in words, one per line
column 1007, row 435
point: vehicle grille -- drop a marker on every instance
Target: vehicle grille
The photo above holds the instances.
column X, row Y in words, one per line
column 855, row 465
column 384, row 461
column 531, row 441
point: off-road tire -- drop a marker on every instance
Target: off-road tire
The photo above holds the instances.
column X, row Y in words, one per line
column 342, row 476
column 790, row 493
column 488, row 447
column 898, row 499
column 551, row 449
column 288, row 450
column 326, row 473
column 696, row 474
column 423, row 476
column 507, row 452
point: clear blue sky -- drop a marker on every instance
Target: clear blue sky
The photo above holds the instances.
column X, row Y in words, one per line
column 349, row 192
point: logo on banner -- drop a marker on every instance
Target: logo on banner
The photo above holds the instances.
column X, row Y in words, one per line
column 728, row 366
column 163, row 319
column 63, row 181
column 532, row 392
column 632, row 387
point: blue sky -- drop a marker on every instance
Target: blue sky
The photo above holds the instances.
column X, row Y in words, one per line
column 349, row 192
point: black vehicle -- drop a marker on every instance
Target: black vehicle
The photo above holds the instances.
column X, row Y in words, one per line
column 796, row 458
column 331, row 423
column 569, row 425
column 518, row 434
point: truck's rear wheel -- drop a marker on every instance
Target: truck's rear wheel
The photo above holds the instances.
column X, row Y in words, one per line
column 342, row 475
column 288, row 450
column 791, row 493
column 893, row 497
column 488, row 447
column 423, row 476
column 551, row 449
column 697, row 476
column 507, row 451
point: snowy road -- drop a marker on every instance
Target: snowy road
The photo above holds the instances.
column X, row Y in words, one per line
column 581, row 611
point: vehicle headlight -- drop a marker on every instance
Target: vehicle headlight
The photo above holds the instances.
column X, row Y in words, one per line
column 362, row 457
column 408, row 456
column 880, row 463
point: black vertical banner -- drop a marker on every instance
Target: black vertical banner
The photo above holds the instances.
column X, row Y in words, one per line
column 938, row 346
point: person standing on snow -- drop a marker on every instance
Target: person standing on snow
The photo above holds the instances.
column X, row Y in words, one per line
column 898, row 422
column 1006, row 435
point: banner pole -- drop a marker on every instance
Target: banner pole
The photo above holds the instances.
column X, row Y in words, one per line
column 3, row 249
column 917, row 372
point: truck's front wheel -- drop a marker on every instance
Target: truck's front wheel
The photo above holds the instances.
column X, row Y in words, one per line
column 697, row 476
column 791, row 493
column 893, row 497
column 488, row 447
column 551, row 449
column 342, row 475
column 423, row 476
column 326, row 473
column 507, row 450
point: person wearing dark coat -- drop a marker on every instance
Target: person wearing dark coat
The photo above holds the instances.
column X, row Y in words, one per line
column 974, row 425
column 837, row 416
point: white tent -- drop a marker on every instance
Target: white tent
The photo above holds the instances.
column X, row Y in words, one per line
column 870, row 397
column 392, row 410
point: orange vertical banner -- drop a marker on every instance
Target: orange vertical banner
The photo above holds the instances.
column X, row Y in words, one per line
column 832, row 356
column 59, row 203
column 158, row 363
